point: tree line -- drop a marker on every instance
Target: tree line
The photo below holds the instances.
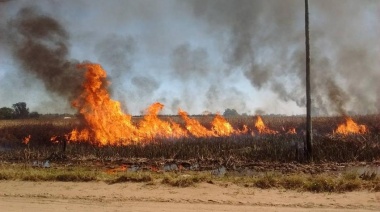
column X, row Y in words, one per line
column 21, row 111
column 18, row 110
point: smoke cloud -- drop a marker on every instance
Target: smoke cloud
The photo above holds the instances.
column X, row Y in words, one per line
column 189, row 63
column 201, row 54
column 40, row 44
column 266, row 40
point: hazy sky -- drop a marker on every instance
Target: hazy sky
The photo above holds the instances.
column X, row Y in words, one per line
column 203, row 55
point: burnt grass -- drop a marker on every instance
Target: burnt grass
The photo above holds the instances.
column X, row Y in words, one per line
column 281, row 152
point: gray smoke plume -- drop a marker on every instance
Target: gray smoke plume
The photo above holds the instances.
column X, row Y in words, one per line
column 266, row 41
column 40, row 44
column 146, row 85
column 201, row 54
column 117, row 53
column 189, row 63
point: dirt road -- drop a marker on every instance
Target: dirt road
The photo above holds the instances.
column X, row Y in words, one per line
column 99, row 196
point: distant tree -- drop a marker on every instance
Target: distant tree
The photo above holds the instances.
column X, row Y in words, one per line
column 20, row 110
column 6, row 113
column 230, row 112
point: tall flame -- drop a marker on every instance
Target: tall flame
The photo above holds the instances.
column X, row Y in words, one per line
column 260, row 126
column 152, row 126
column 194, row 127
column 221, row 127
column 107, row 124
column 350, row 127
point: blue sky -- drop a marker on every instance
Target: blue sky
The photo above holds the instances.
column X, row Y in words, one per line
column 211, row 55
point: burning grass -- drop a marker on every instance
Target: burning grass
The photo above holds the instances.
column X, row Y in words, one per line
column 107, row 124
column 350, row 127
column 230, row 150
column 106, row 131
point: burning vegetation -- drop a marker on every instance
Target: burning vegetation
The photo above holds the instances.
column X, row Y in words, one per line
column 26, row 140
column 350, row 127
column 45, row 54
column 262, row 128
column 107, row 124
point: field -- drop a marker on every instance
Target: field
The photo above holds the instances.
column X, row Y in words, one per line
column 234, row 150
column 242, row 163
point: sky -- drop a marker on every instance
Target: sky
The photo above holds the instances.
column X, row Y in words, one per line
column 197, row 55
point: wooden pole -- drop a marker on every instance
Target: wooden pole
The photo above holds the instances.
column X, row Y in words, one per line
column 309, row 135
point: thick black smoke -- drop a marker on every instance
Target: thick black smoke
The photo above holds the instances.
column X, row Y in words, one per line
column 40, row 44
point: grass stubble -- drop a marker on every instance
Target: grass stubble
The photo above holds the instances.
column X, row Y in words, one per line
column 332, row 183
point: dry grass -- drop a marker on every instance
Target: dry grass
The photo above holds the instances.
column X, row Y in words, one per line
column 281, row 147
column 344, row 182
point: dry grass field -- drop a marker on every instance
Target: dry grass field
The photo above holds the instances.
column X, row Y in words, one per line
column 244, row 172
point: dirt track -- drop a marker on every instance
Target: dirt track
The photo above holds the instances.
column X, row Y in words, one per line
column 98, row 196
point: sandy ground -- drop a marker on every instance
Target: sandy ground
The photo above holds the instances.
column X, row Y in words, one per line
column 99, row 196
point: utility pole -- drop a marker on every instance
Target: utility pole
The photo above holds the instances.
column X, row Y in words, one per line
column 309, row 135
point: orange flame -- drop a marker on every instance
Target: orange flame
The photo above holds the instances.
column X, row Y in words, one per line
column 292, row 131
column 350, row 127
column 152, row 126
column 244, row 130
column 107, row 124
column 260, row 126
column 26, row 140
column 54, row 139
column 194, row 127
column 221, row 127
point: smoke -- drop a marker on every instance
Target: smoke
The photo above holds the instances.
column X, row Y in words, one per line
column 200, row 54
column 117, row 53
column 146, row 85
column 189, row 63
column 40, row 44
column 266, row 41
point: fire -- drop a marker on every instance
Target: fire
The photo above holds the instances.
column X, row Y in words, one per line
column 221, row 127
column 107, row 124
column 152, row 126
column 26, row 140
column 194, row 127
column 350, row 127
column 54, row 139
column 292, row 131
column 260, row 126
